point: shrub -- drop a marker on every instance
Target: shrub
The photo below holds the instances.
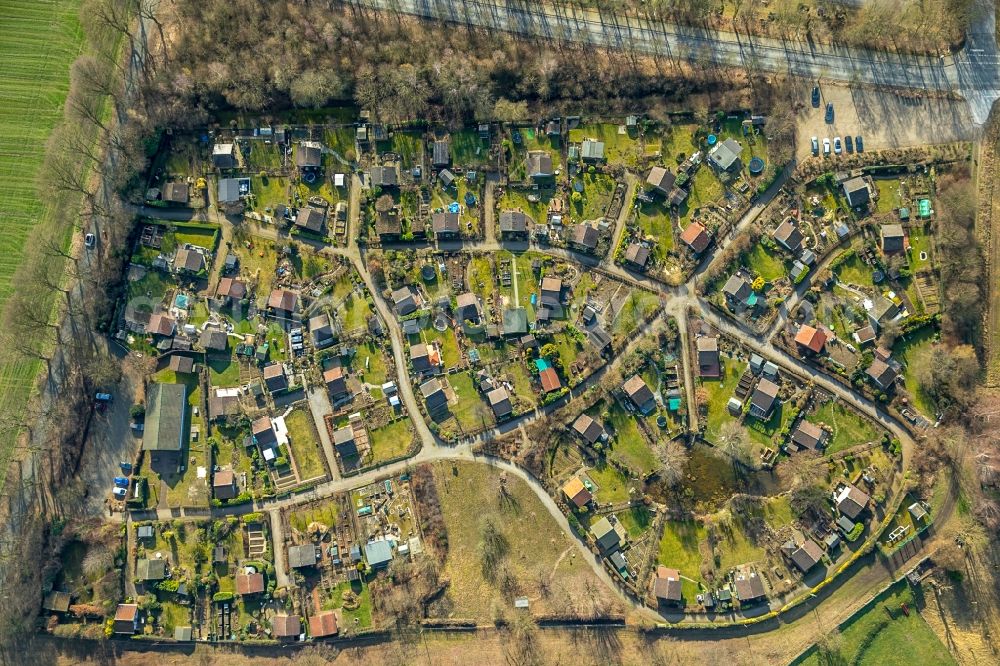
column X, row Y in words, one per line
column 855, row 532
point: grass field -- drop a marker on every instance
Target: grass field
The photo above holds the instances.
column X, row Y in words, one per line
column 912, row 351
column 849, row 429
column 537, row 549
column 38, row 41
column 680, row 546
column 305, row 447
column 884, row 636
column 719, row 391
column 391, row 441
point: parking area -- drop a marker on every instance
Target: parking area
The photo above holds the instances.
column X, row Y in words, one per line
column 884, row 119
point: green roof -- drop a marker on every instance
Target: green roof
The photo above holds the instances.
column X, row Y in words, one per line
column 166, row 411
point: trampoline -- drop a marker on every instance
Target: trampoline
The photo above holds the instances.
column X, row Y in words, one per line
column 756, row 166
column 470, row 199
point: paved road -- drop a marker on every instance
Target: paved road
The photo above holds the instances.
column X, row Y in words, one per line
column 973, row 72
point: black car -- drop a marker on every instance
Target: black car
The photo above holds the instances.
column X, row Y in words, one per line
column 815, row 97
column 859, row 144
column 848, row 144
column 829, row 113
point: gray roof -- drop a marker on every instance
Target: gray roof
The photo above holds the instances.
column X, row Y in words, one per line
column 605, row 534
column 539, row 164
column 434, row 396
column 229, row 190
column 788, row 234
column 725, row 154
column 309, row 155
column 440, row 155
column 585, row 235
column 515, row 321
column 166, row 416
column 499, row 400
column 155, row 569
column 856, row 191
column 806, row 556
column 589, row 429
column 344, row 442
column 661, row 179
column 592, row 150
column 764, row 395
column 383, row 176
column 737, row 288
column 445, row 222
column 302, row 556
column 513, row 221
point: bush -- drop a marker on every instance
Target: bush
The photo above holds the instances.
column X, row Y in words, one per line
column 855, row 532
column 222, row 597
column 138, row 411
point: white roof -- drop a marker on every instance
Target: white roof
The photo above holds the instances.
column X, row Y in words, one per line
column 338, row 179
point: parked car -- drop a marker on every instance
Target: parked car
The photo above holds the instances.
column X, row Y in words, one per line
column 815, row 146
column 859, row 144
column 103, row 397
column 826, row 145
column 119, row 493
column 126, row 467
column 815, row 97
column 849, row 144
column 89, row 240
column 121, row 482
column 837, row 147
column 829, row 112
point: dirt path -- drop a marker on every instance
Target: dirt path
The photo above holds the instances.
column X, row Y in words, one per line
column 988, row 230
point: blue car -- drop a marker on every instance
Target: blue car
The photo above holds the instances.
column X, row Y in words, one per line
column 121, row 482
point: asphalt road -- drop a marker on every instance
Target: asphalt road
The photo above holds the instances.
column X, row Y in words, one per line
column 973, row 72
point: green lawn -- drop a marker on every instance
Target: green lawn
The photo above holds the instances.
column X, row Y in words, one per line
column 355, row 312
column 888, row 194
column 636, row 520
column 766, row 264
column 911, row 351
column 340, row 140
column 654, row 220
column 734, row 546
column 612, row 485
column 304, row 444
column 370, row 363
column 468, row 150
column 451, row 355
column 351, row 620
column 391, row 441
column 630, row 447
column 598, row 190
column 618, row 148
column 920, row 241
column 537, row 210
column 224, row 372
column 762, row 432
column 885, row 636
column 855, row 271
column 680, row 547
column 204, row 235
column 325, row 513
column 849, row 429
column 408, row 145
column 471, row 412
column 706, row 188
column 719, row 391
